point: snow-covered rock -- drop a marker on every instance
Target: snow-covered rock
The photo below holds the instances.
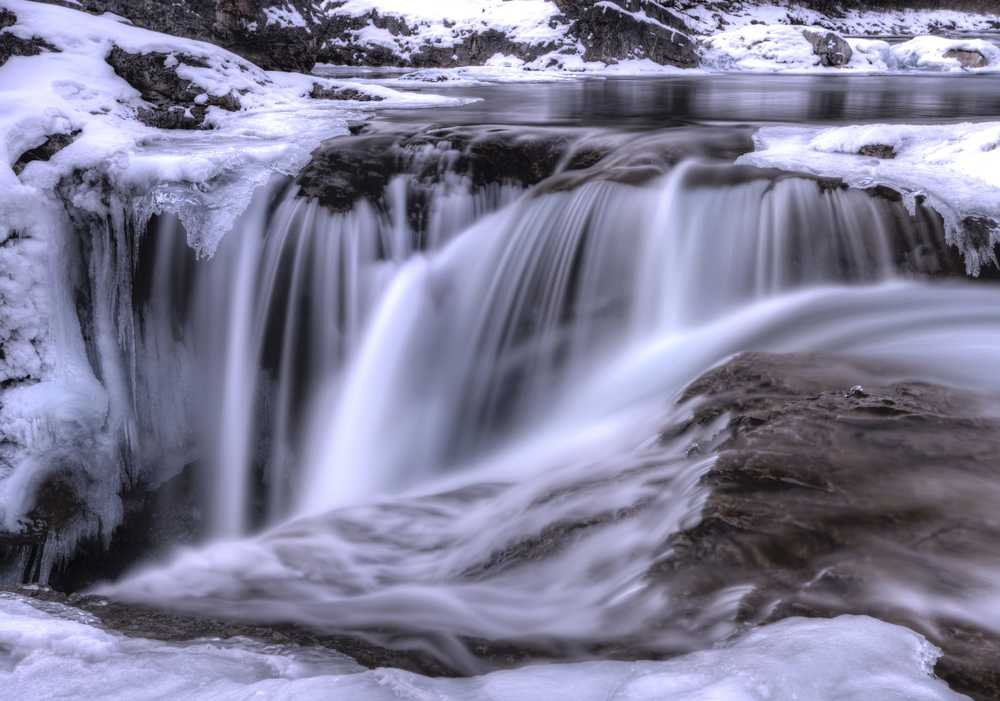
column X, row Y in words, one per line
column 954, row 168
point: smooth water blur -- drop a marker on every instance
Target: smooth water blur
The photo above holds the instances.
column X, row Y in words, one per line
column 661, row 102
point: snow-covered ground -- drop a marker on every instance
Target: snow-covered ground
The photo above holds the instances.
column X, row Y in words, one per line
column 955, row 168
column 48, row 651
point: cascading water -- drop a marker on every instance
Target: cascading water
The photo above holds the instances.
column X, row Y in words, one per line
column 482, row 341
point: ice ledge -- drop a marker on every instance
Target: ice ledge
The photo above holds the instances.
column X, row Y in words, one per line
column 952, row 168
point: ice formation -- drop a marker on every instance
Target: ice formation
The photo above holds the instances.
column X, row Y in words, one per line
column 954, row 168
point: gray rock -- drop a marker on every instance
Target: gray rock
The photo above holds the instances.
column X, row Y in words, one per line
column 320, row 92
column 238, row 25
column 832, row 49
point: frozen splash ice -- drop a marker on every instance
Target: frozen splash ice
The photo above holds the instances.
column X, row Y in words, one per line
column 53, row 650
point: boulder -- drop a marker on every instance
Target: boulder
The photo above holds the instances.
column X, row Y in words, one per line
column 53, row 144
column 832, row 49
column 175, row 102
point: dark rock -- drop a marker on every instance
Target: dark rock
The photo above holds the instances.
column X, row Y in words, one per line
column 174, row 101
column 321, row 92
column 968, row 59
column 614, row 31
column 239, row 25
column 877, row 151
column 54, row 143
column 832, row 49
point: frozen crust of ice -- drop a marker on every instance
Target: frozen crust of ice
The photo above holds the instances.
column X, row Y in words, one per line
column 61, row 652
column 784, row 48
column 955, row 168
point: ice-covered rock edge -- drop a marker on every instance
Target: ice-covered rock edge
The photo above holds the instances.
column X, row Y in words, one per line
column 953, row 168
column 74, row 149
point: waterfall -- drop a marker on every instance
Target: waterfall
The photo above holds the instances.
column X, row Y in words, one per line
column 323, row 358
column 479, row 343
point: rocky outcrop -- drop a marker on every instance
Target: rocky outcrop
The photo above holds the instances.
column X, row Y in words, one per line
column 832, row 49
column 835, row 488
column 630, row 29
column 274, row 34
column 53, row 144
column 175, row 102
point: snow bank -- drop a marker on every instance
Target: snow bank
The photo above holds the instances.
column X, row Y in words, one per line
column 955, row 168
column 48, row 650
column 931, row 53
column 785, row 48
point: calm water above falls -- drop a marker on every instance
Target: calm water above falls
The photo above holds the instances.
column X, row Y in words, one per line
column 662, row 102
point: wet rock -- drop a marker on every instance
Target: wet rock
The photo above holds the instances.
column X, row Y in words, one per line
column 53, row 144
column 275, row 42
column 823, row 503
column 630, row 29
column 877, row 151
column 968, row 59
column 832, row 49
column 343, row 47
column 175, row 102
